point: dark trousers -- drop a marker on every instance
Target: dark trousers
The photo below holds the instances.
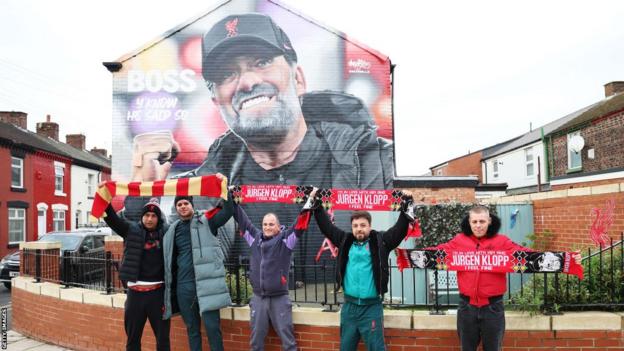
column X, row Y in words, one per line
column 484, row 324
column 361, row 321
column 189, row 309
column 274, row 310
column 139, row 307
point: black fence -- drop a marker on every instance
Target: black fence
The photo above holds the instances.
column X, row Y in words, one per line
column 602, row 288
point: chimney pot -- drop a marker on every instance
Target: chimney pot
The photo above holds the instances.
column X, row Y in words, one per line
column 613, row 88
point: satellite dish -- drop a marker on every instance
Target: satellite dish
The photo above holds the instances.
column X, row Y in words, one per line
column 576, row 143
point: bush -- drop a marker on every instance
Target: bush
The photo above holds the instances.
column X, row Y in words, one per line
column 602, row 287
column 440, row 223
column 241, row 293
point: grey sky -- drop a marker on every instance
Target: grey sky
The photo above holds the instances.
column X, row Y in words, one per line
column 469, row 73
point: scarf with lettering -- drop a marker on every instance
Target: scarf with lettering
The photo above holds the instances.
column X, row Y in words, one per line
column 490, row 261
column 336, row 199
column 209, row 185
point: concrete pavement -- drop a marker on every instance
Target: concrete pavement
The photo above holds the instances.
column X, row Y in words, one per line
column 18, row 342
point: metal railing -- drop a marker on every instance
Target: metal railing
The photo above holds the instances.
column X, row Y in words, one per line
column 602, row 287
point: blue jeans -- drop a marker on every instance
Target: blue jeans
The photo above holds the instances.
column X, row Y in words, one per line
column 189, row 309
column 484, row 324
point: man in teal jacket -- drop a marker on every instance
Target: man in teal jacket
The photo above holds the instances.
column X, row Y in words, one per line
column 194, row 271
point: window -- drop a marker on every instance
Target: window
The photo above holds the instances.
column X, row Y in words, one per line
column 574, row 157
column 528, row 158
column 495, row 168
column 17, row 172
column 59, row 174
column 91, row 185
column 17, row 225
column 58, row 221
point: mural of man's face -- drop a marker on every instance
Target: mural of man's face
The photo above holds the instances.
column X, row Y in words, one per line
column 258, row 95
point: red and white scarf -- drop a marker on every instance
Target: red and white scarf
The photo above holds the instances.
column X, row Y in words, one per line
column 209, row 185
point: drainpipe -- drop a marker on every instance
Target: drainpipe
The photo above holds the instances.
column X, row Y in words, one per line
column 546, row 160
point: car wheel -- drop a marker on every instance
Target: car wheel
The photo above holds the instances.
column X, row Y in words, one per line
column 7, row 285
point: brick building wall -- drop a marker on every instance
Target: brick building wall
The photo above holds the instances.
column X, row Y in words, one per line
column 443, row 195
column 604, row 135
column 569, row 219
column 462, row 166
column 82, row 326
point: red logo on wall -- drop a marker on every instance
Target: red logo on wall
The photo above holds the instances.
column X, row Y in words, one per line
column 232, row 28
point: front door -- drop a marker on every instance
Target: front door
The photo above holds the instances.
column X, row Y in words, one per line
column 41, row 222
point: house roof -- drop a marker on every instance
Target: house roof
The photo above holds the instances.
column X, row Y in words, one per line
column 605, row 107
column 194, row 19
column 13, row 135
column 536, row 134
column 484, row 151
column 80, row 157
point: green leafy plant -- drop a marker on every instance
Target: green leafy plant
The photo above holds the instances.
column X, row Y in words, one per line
column 241, row 290
column 440, row 223
column 602, row 287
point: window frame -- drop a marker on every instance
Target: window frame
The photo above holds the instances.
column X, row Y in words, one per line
column 59, row 178
column 495, row 170
column 56, row 220
column 569, row 152
column 529, row 152
column 21, row 169
column 16, row 218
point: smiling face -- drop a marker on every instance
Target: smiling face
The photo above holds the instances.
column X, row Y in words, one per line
column 258, row 95
column 184, row 209
column 270, row 225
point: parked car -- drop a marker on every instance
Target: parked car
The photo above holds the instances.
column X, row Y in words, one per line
column 9, row 268
column 82, row 254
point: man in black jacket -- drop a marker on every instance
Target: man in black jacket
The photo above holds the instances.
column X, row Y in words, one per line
column 142, row 269
column 363, row 273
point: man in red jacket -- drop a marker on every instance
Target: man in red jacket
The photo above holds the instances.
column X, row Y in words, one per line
column 481, row 313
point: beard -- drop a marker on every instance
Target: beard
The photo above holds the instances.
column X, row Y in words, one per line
column 274, row 125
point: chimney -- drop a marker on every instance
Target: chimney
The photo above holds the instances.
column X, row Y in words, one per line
column 48, row 129
column 613, row 88
column 76, row 140
column 14, row 117
column 101, row 152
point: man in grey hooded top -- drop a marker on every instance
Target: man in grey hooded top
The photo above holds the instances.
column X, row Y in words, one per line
column 194, row 270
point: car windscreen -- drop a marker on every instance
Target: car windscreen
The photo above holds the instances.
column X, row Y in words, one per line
column 68, row 241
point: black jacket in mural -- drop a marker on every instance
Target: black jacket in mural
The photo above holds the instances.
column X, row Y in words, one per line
column 381, row 244
column 340, row 150
column 359, row 158
column 134, row 266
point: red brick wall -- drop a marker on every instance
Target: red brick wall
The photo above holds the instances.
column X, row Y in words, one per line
column 463, row 166
column 604, row 135
column 49, row 264
column 91, row 327
column 570, row 218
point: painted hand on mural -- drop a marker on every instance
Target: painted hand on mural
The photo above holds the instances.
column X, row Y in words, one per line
column 152, row 154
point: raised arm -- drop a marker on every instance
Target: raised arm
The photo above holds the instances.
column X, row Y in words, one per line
column 222, row 216
column 393, row 236
column 331, row 232
column 118, row 225
column 246, row 228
